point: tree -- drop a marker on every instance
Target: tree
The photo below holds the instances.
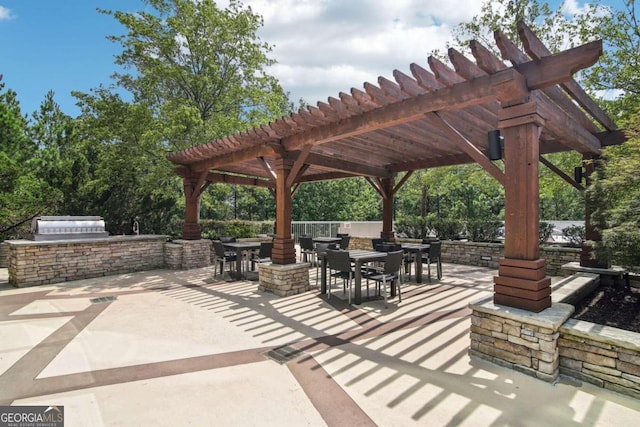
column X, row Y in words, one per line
column 617, row 71
column 200, row 68
column 23, row 194
column 350, row 199
column 555, row 28
column 132, row 179
column 615, row 194
column 60, row 159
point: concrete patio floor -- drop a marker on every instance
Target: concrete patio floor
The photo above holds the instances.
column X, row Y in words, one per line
column 182, row 348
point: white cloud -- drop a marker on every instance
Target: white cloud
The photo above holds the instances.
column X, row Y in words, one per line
column 327, row 46
column 5, row 14
column 571, row 7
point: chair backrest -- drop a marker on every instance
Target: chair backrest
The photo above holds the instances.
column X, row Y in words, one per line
column 344, row 243
column 218, row 248
column 393, row 262
column 306, row 243
column 375, row 243
column 265, row 249
column 435, row 249
column 338, row 260
column 389, row 247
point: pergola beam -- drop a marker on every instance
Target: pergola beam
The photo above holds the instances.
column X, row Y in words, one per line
column 537, row 50
column 472, row 92
column 561, row 173
column 215, row 177
column 346, row 166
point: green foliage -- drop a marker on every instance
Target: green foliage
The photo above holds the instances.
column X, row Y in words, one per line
column 553, row 27
column 479, row 230
column 614, row 194
column 337, row 200
column 559, row 200
column 414, row 227
column 200, row 68
column 446, row 228
column 24, row 192
column 545, row 229
column 213, row 229
column 617, row 71
column 131, row 179
column 575, row 234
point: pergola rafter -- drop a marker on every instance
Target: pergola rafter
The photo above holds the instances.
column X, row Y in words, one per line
column 435, row 117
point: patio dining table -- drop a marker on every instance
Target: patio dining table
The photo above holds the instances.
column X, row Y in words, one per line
column 417, row 249
column 241, row 249
column 358, row 257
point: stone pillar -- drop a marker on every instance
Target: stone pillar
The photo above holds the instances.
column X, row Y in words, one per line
column 284, row 280
column 518, row 339
column 387, row 210
column 284, row 251
column 194, row 253
column 522, row 280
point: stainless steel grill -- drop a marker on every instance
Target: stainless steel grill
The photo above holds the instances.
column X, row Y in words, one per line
column 67, row 227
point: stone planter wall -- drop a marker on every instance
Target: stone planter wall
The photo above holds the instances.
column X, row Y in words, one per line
column 517, row 339
column 604, row 356
column 33, row 263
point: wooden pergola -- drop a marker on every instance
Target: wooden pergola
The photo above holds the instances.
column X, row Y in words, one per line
column 435, row 117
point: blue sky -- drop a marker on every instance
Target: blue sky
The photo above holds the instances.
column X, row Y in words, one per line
column 321, row 47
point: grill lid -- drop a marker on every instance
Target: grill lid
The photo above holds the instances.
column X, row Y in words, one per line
column 67, row 227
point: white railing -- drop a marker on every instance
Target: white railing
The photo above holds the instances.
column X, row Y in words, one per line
column 315, row 228
column 331, row 228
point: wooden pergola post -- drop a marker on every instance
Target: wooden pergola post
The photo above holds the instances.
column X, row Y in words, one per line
column 522, row 280
column 387, row 209
column 284, row 251
column 192, row 192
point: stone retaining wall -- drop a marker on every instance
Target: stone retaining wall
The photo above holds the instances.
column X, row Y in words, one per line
column 604, row 356
column 33, row 263
column 4, row 255
column 487, row 254
column 517, row 339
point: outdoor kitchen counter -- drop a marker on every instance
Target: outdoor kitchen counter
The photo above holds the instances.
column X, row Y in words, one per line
column 33, row 263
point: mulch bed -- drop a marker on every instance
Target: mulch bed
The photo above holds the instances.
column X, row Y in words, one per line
column 612, row 304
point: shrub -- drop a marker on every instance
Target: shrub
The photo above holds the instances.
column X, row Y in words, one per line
column 446, row 228
column 414, row 227
column 575, row 234
column 545, row 230
column 483, row 230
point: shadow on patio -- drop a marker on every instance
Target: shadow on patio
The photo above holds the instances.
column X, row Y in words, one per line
column 175, row 347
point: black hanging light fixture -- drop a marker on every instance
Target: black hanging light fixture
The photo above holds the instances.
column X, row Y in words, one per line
column 496, row 145
column 577, row 174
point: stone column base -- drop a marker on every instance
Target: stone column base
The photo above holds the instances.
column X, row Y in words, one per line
column 284, row 279
column 190, row 254
column 518, row 339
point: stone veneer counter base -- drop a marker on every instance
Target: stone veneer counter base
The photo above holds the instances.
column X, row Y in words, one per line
column 33, row 263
